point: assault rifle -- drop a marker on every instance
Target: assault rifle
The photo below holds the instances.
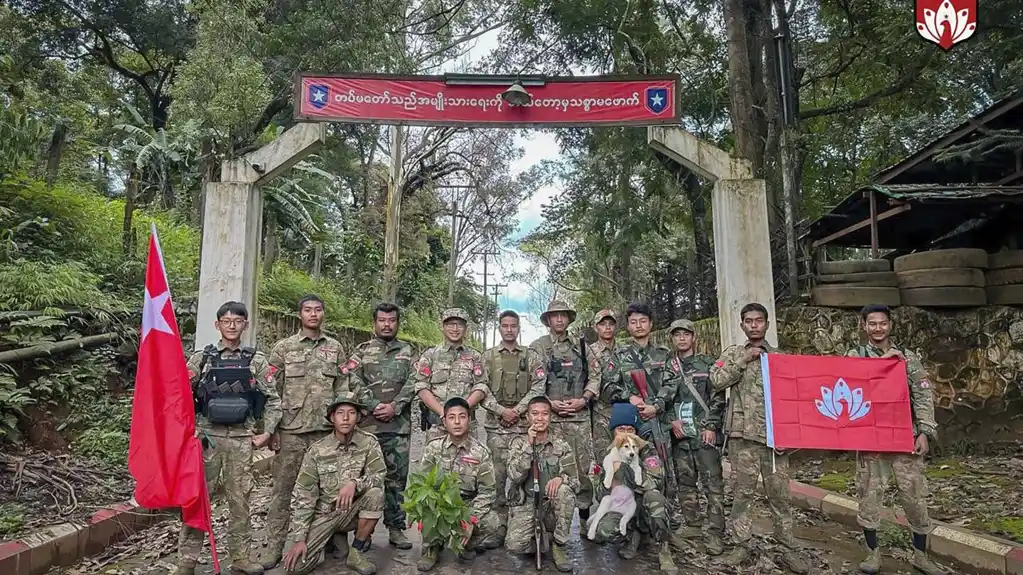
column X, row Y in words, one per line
column 660, row 441
column 537, row 515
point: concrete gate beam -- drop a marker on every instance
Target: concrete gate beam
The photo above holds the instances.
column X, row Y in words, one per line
column 233, row 228
column 742, row 248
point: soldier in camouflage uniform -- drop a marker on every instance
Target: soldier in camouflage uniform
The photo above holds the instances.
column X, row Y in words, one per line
column 871, row 468
column 340, row 488
column 380, row 372
column 459, row 452
column 451, row 369
column 228, row 449
column 306, row 368
column 696, row 430
column 604, row 323
column 515, row 375
column 738, row 368
column 572, row 385
column 559, row 480
column 651, row 517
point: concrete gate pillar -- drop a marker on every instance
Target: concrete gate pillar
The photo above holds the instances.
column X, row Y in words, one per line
column 742, row 248
column 233, row 228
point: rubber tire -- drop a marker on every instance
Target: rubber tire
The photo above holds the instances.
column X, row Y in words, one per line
column 1005, row 295
column 944, row 297
column 854, row 296
column 956, row 258
column 862, row 279
column 941, row 277
column 1004, row 276
column 854, row 267
column 1006, row 259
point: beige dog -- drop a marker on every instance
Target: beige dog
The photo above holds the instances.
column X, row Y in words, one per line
column 625, row 450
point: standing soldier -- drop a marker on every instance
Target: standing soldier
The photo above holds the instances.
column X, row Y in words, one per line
column 306, row 368
column 380, row 372
column 695, row 416
column 457, row 451
column 573, row 381
column 558, row 481
column 909, row 468
column 739, row 368
column 451, row 369
column 227, row 407
column 604, row 323
column 515, row 375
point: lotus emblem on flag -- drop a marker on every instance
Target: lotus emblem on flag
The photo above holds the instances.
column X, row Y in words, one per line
column 946, row 22
column 830, row 403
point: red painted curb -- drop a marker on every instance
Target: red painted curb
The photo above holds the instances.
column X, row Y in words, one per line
column 1014, row 562
column 10, row 554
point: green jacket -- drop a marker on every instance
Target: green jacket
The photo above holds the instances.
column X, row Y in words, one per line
column 382, row 372
column 684, row 407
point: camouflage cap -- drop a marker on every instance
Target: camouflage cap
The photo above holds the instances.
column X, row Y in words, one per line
column 604, row 313
column 555, row 306
column 685, row 324
column 455, row 313
column 345, row 398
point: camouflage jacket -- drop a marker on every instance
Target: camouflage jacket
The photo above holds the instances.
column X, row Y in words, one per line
column 381, row 372
column 653, row 474
column 513, row 378
column 603, row 353
column 307, row 380
column 262, row 378
column 472, row 462
column 746, row 417
column 448, row 371
column 696, row 369
column 920, row 394
column 326, row 467
column 565, row 372
column 555, row 460
column 663, row 375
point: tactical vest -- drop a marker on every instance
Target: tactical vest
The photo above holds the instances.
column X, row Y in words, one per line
column 565, row 370
column 509, row 377
column 227, row 402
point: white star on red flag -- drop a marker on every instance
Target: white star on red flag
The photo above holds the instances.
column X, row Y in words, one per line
column 152, row 314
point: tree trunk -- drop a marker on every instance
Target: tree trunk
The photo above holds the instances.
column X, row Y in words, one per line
column 740, row 87
column 270, row 246
column 50, row 349
column 130, row 195
column 54, row 153
column 704, row 264
column 317, row 260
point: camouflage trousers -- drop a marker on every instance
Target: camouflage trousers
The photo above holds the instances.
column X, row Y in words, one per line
column 580, row 437
column 499, row 445
column 556, row 516
column 396, row 458
column 872, row 474
column 486, row 530
column 369, row 505
column 231, row 456
column 601, row 433
column 284, row 469
column 651, row 518
column 704, row 464
column 750, row 460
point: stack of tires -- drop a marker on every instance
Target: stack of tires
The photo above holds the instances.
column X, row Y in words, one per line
column 1005, row 278
column 943, row 278
column 855, row 283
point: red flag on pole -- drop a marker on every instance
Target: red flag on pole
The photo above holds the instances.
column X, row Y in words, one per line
column 837, row 403
column 164, row 455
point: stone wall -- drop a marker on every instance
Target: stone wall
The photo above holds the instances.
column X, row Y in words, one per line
column 974, row 357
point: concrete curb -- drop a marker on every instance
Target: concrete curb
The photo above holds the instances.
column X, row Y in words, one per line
column 68, row 543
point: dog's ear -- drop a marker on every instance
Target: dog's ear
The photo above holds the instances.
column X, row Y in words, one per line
column 640, row 442
column 619, row 440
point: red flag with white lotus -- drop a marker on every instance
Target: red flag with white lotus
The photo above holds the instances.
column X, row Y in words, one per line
column 164, row 454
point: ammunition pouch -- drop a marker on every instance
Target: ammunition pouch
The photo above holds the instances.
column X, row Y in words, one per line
column 226, row 394
column 227, row 410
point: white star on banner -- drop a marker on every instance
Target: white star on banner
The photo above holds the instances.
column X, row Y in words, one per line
column 318, row 95
column 152, row 314
column 657, row 99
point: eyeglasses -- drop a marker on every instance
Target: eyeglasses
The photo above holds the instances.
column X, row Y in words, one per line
column 232, row 322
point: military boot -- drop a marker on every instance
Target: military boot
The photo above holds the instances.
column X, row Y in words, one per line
column 428, row 559
column 925, row 564
column 664, row 558
column 269, row 558
column 247, row 566
column 630, row 548
column 396, row 537
column 713, row 544
column 468, row 555
column 340, row 545
column 182, row 570
column 737, row 557
column 560, row 558
column 357, row 562
column 794, row 561
column 871, row 564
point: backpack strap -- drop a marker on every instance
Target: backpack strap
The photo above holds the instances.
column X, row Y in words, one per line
column 207, row 352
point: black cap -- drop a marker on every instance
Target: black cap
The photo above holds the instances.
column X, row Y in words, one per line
column 456, row 402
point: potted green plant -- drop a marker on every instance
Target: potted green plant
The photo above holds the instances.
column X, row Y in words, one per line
column 433, row 500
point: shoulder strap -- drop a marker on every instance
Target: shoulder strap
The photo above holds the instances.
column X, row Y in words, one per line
column 696, row 396
column 248, row 353
column 207, row 352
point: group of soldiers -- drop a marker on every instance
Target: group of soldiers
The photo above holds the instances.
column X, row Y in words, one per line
column 341, row 428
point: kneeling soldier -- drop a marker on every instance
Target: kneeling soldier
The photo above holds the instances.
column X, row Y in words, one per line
column 458, row 452
column 559, row 482
column 340, row 488
column 651, row 515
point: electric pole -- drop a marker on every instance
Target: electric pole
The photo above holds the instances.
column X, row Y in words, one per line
column 456, row 213
column 496, row 291
column 487, row 254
